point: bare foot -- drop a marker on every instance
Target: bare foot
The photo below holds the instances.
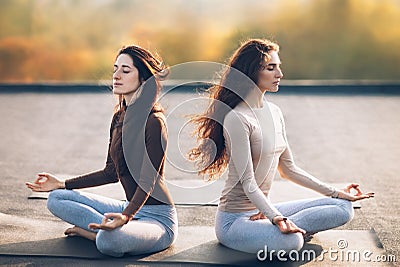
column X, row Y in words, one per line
column 308, row 236
column 77, row 231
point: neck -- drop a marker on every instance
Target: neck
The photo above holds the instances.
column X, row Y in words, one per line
column 130, row 98
column 255, row 98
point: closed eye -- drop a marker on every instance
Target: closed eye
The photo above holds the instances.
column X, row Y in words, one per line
column 272, row 67
column 125, row 68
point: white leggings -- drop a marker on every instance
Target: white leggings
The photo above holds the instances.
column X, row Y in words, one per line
column 237, row 231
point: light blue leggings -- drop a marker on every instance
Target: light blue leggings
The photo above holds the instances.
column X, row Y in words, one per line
column 154, row 228
column 237, row 231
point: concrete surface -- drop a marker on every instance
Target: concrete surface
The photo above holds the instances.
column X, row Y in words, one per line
column 336, row 138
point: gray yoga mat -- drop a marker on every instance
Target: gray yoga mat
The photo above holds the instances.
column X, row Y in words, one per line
column 75, row 247
column 198, row 245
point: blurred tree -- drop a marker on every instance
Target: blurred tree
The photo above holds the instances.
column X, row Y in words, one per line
column 77, row 39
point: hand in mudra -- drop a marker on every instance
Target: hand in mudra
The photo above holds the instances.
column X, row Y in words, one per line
column 285, row 225
column 45, row 182
column 348, row 193
column 110, row 222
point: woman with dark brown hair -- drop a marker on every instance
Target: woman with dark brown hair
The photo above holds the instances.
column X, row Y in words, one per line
column 245, row 133
column 147, row 221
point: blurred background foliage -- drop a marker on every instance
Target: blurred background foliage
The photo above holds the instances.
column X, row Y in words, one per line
column 76, row 40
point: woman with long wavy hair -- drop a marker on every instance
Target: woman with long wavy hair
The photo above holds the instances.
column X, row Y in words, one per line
column 147, row 221
column 242, row 131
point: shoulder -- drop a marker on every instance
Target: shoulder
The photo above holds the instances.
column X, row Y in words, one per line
column 238, row 118
column 275, row 110
column 274, row 107
column 235, row 115
column 116, row 118
column 156, row 121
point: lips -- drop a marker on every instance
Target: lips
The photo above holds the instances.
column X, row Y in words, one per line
column 117, row 84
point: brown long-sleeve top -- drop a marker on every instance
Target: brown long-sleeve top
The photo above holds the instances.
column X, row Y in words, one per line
column 149, row 174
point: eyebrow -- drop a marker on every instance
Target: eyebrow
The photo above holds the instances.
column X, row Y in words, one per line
column 124, row 66
column 274, row 64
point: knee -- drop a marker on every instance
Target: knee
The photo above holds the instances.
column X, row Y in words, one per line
column 107, row 244
column 286, row 243
column 54, row 198
column 291, row 242
column 347, row 210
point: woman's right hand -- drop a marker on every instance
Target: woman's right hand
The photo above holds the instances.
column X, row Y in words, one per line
column 45, row 182
column 286, row 226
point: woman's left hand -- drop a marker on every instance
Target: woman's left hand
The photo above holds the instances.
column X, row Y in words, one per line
column 110, row 222
column 258, row 216
column 347, row 194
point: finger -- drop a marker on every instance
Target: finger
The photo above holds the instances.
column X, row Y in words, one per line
column 33, row 186
column 114, row 224
column 293, row 228
column 370, row 194
column 361, row 197
column 41, row 179
column 104, row 221
column 352, row 185
column 112, row 215
column 37, row 180
column 110, row 225
column 283, row 226
column 254, row 217
column 349, row 187
column 94, row 226
column 299, row 230
column 257, row 216
column 358, row 190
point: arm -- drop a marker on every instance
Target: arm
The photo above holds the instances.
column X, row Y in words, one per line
column 101, row 177
column 237, row 133
column 46, row 182
column 153, row 160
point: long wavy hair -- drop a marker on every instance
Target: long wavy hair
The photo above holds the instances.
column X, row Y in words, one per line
column 151, row 70
column 237, row 80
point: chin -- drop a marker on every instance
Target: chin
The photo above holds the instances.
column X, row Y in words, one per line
column 273, row 90
column 116, row 92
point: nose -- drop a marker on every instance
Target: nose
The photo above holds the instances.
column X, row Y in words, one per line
column 116, row 75
column 279, row 73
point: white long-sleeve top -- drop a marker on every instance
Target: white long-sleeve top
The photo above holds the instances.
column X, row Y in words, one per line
column 257, row 147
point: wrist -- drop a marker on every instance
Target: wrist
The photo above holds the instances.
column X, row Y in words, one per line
column 125, row 218
column 277, row 219
column 336, row 194
column 61, row 185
